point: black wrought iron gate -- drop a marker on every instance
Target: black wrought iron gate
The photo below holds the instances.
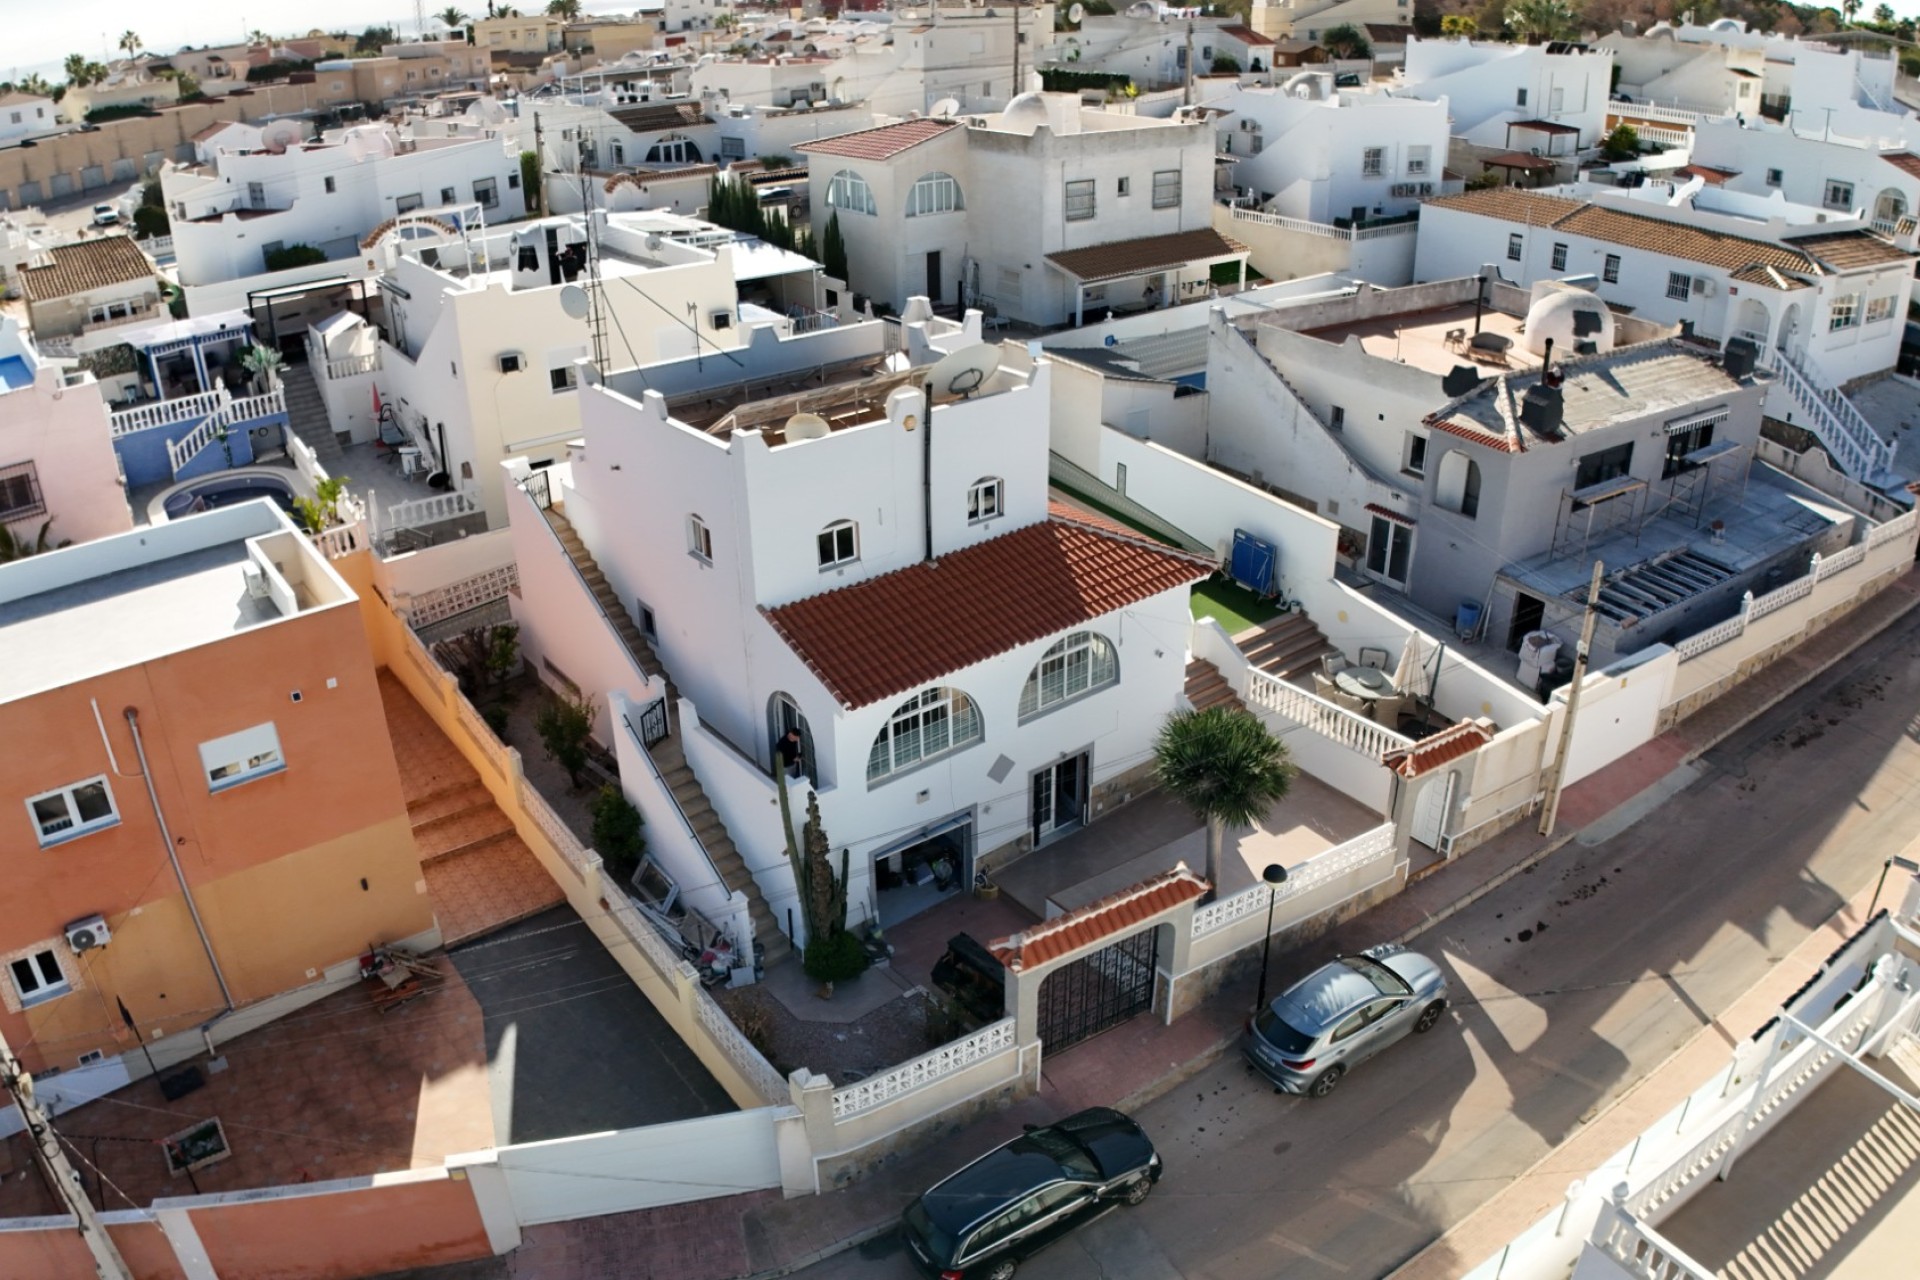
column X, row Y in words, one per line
column 1098, row 992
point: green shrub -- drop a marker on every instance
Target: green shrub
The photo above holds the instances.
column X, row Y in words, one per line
column 564, row 725
column 149, row 222
column 838, row 957
column 617, row 835
column 530, row 180
column 293, row 255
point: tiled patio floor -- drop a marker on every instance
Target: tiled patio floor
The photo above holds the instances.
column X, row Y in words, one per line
column 337, row 1090
column 486, row 888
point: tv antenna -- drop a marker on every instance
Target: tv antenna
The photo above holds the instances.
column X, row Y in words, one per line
column 596, row 296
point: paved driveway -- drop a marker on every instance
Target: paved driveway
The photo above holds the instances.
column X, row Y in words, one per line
column 572, row 1045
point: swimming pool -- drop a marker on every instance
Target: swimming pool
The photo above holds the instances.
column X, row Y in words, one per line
column 14, row 373
column 223, row 491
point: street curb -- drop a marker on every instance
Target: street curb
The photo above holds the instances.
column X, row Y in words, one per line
column 1485, row 887
column 853, row 1241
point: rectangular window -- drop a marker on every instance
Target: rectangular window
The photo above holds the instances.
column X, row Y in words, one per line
column 405, row 204
column 838, row 544
column 1514, row 243
column 1416, row 457
column 1775, row 177
column 1123, row 187
column 73, row 811
column 1608, row 464
column 256, row 194
column 513, row 182
column 1166, row 188
column 1559, row 256
column 1556, row 100
column 1120, row 478
column 699, row 539
column 20, row 495
column 732, row 148
column 1683, row 442
column 241, row 757
column 1878, row 309
column 984, row 501
column 1679, row 286
column 447, row 195
column 1520, row 98
column 1845, row 313
column 486, row 192
column 327, row 183
column 1610, row 271
column 1080, row 200
column 1418, row 158
column 37, row 977
column 565, row 378
column 1839, row 195
column 1337, row 417
column 1373, row 162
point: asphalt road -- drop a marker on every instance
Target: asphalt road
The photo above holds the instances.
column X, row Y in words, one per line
column 1571, row 983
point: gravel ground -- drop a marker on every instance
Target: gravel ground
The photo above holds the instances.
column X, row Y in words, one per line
column 845, row 1051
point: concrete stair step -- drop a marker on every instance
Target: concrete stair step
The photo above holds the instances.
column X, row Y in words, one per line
column 455, row 797
column 456, row 831
column 474, row 846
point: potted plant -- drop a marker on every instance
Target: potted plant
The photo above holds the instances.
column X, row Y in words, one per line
column 263, row 363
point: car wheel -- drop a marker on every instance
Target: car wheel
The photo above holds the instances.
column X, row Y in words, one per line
column 1001, row 1270
column 1430, row 1016
column 1138, row 1190
column 1325, row 1083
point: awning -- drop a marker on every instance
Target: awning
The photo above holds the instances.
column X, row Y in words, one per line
column 1708, row 417
column 1121, row 258
column 1543, row 126
column 295, row 290
column 1388, row 513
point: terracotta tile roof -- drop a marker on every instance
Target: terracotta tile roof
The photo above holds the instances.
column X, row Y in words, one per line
column 1767, row 277
column 89, row 264
column 1398, row 517
column 1905, row 161
column 655, row 117
column 882, row 143
column 1846, row 250
column 1718, row 177
column 1059, row 509
column 1509, row 204
column 1245, row 35
column 1105, row 918
column 1467, row 431
column 1449, row 744
column 1388, row 33
column 1149, row 253
column 872, row 641
column 1544, row 126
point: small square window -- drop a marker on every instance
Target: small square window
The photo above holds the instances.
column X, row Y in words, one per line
column 1123, row 187
column 1610, row 270
column 1679, row 286
column 1775, row 177
column 38, row 977
column 446, row 195
column 1416, row 463
column 327, row 183
column 1337, row 418
column 73, row 811
column 699, row 540
column 486, row 192
column 241, row 757
column 1559, row 256
column 838, row 544
column 565, row 378
column 1520, row 98
column 1514, row 245
column 984, row 501
column 1373, row 162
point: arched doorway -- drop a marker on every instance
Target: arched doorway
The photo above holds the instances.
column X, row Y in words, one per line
column 1889, row 208
column 783, row 713
column 1753, row 320
column 1788, row 339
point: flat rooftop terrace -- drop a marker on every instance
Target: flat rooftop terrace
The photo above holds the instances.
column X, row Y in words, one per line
column 118, row 619
column 1425, row 339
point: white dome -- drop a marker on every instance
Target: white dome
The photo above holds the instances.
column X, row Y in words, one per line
column 1727, row 24
column 1568, row 316
column 1024, row 114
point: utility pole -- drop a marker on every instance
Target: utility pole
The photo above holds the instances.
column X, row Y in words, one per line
column 539, row 164
column 1551, row 809
column 1015, row 91
column 59, row 1175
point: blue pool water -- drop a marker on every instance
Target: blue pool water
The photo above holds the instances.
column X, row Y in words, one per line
column 14, row 373
column 224, row 491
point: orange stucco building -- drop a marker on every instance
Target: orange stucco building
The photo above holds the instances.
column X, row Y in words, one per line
column 255, row 768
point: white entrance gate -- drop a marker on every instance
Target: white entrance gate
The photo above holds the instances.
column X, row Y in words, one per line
column 1430, row 810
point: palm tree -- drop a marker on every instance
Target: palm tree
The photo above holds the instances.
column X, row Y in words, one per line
column 1224, row 765
column 1883, row 14
column 36, row 84
column 1851, row 8
column 568, row 9
column 451, row 17
column 76, row 69
column 257, row 36
column 1545, row 19
column 130, row 43
column 15, row 547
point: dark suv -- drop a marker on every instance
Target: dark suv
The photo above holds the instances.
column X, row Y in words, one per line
column 1019, row 1198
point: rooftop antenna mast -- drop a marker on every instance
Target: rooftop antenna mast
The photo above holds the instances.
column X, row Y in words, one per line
column 420, row 19
column 596, row 295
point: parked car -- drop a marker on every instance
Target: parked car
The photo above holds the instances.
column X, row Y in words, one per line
column 1021, row 1197
column 1341, row 1014
column 104, row 215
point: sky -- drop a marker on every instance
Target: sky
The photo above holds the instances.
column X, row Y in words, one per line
column 37, row 35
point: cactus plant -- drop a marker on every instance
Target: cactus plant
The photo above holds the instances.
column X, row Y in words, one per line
column 832, row 954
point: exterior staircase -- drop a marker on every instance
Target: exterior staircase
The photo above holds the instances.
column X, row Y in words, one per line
column 667, row 756
column 1206, row 687
column 1288, row 647
column 307, row 416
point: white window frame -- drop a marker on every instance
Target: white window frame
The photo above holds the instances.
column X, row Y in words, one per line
column 986, row 500
column 1559, row 256
column 1123, row 187
column 1879, row 309
column 1776, row 177
column 1413, row 459
column 36, row 958
column 1373, row 162
column 837, row 545
column 253, row 752
column 1844, row 312
column 1516, row 245
column 1082, row 197
column 959, row 726
column 699, row 540
column 486, row 192
column 1842, row 200
column 849, row 192
column 1166, row 188
column 1679, row 286
column 1072, row 668
column 1610, row 269
column 76, row 826
column 1418, row 159
column 563, row 378
column 935, row 193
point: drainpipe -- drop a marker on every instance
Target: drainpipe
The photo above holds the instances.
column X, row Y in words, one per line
column 166, row 839
column 926, row 465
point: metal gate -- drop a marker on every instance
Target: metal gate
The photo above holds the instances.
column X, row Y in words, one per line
column 653, row 722
column 1098, row 992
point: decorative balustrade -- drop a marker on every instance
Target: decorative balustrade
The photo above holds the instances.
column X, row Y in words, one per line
column 457, row 597
column 187, row 447
column 1348, row 728
column 352, row 366
column 162, row 413
column 342, row 540
column 1898, row 527
column 157, row 247
column 1367, row 847
column 140, row 315
column 1650, row 111
column 1644, row 1253
column 1781, row 597
column 227, row 414
column 1713, row 637
column 1860, row 450
column 746, row 1059
column 924, row 1070
column 1322, row 229
column 431, row 510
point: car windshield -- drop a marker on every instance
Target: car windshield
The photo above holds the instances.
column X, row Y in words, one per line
column 939, row 1244
column 1282, row 1035
column 1384, row 980
column 1059, row 1148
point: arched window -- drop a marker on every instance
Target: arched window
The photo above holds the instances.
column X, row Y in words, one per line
column 1080, row 664
column 673, row 149
column 1458, row 485
column 924, row 727
column 848, row 190
column 783, row 713
column 934, row 193
column 838, row 543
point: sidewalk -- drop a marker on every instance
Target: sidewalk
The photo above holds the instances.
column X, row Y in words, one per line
column 762, row 1236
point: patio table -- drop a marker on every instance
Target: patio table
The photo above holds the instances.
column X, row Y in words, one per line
column 1364, row 682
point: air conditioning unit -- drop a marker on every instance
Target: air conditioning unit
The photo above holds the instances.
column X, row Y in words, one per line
column 1703, row 286
column 512, row 362
column 85, row 935
column 256, row 580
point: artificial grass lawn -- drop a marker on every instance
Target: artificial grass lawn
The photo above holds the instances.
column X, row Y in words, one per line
column 1231, row 605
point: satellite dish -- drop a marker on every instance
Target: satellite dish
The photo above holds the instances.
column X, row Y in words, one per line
column 487, row 111
column 281, row 134
column 806, row 426
column 573, row 301
column 945, row 109
column 1077, row 14
column 965, row 371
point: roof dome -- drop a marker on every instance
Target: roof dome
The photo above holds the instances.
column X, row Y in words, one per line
column 1024, row 113
column 1727, row 24
column 1569, row 317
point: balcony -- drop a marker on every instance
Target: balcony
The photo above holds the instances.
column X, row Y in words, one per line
column 116, row 314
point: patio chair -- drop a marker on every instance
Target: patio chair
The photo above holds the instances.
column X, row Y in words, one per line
column 1356, row 705
column 1387, row 710
column 1334, row 663
column 1323, row 686
column 1372, row 657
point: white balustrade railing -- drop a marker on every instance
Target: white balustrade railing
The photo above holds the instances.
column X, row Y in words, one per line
column 1322, row 229
column 351, row 366
column 247, row 408
column 1860, row 450
column 1651, row 111
column 1781, row 597
column 1348, row 728
column 1841, row 560
column 162, row 413
column 431, row 510
column 922, row 1071
column 739, row 1051
column 1713, row 637
column 187, row 447
column 1369, row 846
column 157, row 246
column 227, row 414
column 1644, row 1253
column 1898, row 527
column 1664, row 136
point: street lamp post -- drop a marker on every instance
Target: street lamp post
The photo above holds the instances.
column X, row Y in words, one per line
column 1275, row 875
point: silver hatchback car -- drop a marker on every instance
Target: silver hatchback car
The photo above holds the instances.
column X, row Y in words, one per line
column 1342, row 1014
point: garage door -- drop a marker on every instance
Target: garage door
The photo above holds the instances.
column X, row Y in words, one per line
column 124, row 169
column 92, row 176
column 29, row 194
column 62, row 185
